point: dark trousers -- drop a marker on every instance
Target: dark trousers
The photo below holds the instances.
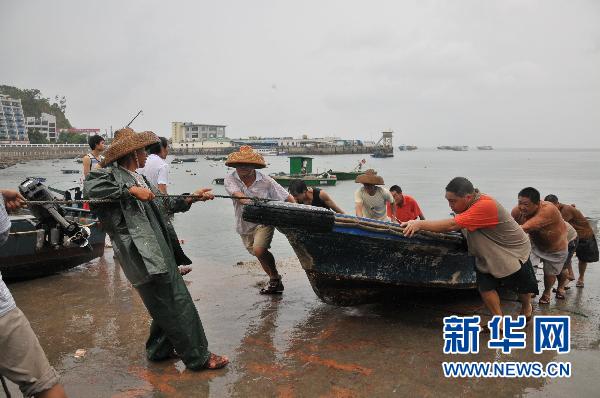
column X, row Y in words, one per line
column 175, row 321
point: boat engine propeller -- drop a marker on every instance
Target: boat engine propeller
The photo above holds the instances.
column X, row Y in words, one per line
column 52, row 216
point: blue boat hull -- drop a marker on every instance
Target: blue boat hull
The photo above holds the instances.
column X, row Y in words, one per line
column 351, row 260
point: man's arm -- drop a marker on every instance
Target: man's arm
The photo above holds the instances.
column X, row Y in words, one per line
column 542, row 219
column 414, row 226
column 358, row 209
column 329, row 202
column 87, row 165
column 12, row 199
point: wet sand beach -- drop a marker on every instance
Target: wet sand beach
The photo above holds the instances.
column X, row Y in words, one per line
column 288, row 346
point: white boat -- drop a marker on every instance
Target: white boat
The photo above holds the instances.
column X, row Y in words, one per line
column 266, row 151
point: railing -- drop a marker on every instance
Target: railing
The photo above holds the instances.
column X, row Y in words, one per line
column 43, row 145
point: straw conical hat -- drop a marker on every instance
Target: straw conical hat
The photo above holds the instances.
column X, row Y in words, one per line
column 126, row 141
column 370, row 177
column 246, row 156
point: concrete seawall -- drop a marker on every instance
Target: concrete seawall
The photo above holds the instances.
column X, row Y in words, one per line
column 11, row 154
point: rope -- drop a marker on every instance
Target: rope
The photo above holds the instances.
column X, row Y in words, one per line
column 100, row 201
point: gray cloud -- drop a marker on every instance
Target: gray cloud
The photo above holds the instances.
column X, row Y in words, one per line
column 505, row 73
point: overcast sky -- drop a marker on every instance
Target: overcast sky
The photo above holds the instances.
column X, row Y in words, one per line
column 505, row 73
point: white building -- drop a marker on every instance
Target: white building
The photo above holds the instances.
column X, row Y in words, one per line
column 46, row 124
column 12, row 121
column 188, row 135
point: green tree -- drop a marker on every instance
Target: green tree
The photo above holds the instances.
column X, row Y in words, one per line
column 71, row 138
column 34, row 104
column 35, row 137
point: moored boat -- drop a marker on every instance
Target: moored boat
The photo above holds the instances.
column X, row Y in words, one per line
column 350, row 260
column 48, row 238
column 70, row 171
column 459, row 148
column 407, row 148
column 485, row 148
column 381, row 153
column 301, row 169
column 349, row 175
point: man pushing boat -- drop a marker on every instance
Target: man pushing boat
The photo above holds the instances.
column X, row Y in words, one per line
column 244, row 182
column 500, row 246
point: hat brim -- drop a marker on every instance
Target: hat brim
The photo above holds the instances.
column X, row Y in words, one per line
column 123, row 147
column 241, row 164
column 369, row 179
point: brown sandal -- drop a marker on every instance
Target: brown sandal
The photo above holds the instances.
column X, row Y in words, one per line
column 544, row 300
column 216, row 362
column 274, row 287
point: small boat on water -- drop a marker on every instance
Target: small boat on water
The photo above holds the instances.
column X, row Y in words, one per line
column 353, row 260
column 459, row 148
column 382, row 153
column 407, row 148
column 349, row 175
column 183, row 160
column 70, row 171
column 266, row 151
column 46, row 239
column 216, row 158
column 485, row 148
column 301, row 169
column 40, row 179
column 219, row 181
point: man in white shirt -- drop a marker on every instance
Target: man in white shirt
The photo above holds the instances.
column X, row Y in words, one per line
column 371, row 201
column 156, row 169
column 246, row 182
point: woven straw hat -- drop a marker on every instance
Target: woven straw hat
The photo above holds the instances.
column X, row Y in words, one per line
column 126, row 141
column 246, row 156
column 370, row 177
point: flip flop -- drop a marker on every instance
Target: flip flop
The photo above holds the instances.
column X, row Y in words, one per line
column 579, row 284
column 544, row 300
column 566, row 288
column 216, row 362
column 560, row 296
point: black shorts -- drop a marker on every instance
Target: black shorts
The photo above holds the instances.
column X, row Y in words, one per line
column 587, row 250
column 522, row 281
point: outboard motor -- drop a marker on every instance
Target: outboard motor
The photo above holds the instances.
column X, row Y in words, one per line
column 51, row 217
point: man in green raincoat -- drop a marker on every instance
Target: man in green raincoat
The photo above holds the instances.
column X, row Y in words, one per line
column 149, row 250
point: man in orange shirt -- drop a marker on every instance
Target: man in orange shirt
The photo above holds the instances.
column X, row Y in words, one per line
column 404, row 208
column 587, row 247
column 500, row 247
column 547, row 232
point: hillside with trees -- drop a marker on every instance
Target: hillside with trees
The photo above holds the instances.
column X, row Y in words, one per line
column 34, row 103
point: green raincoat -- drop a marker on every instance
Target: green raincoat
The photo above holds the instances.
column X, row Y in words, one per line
column 149, row 253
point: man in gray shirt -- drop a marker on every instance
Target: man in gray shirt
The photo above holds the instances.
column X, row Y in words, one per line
column 23, row 360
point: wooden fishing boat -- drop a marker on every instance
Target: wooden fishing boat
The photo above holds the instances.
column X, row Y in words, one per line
column 381, row 153
column 349, row 175
column 34, row 250
column 351, row 260
column 301, row 169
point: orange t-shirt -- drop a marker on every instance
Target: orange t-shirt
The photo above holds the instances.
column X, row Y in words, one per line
column 409, row 211
column 482, row 214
